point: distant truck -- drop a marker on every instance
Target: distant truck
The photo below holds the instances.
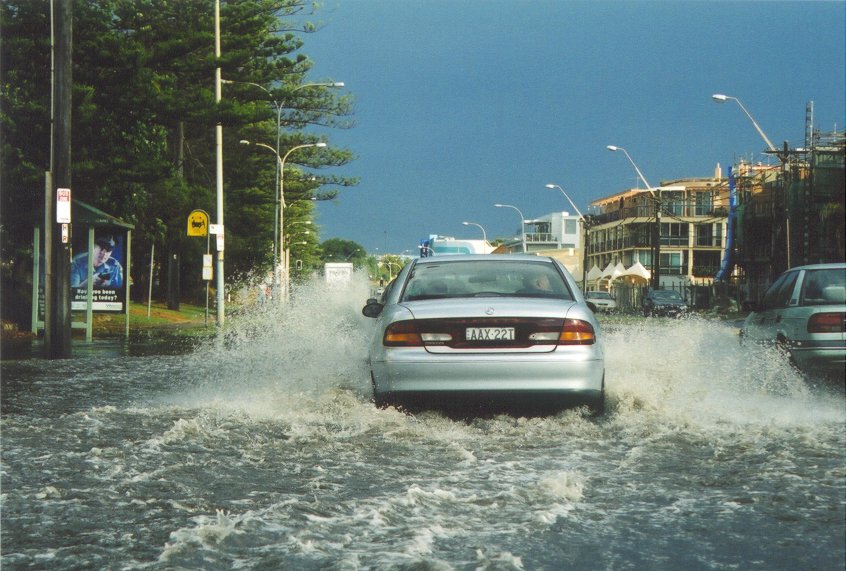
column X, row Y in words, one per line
column 338, row 272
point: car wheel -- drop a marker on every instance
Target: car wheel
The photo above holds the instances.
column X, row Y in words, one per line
column 379, row 400
column 783, row 345
column 597, row 406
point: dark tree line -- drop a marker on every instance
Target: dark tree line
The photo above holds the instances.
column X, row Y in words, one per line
column 144, row 112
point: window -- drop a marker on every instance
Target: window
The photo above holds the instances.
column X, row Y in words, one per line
column 454, row 278
column 779, row 294
column 703, row 202
column 674, row 202
column 674, row 234
column 708, row 234
column 823, row 287
column 671, row 263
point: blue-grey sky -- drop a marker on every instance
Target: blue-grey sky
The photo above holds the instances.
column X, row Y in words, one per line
column 461, row 104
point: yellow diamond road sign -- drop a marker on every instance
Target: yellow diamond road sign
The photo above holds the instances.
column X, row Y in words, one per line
column 198, row 223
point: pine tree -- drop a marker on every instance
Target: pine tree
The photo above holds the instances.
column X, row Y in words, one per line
column 144, row 116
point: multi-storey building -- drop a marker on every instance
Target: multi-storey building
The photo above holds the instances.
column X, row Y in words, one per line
column 557, row 234
column 692, row 222
column 793, row 213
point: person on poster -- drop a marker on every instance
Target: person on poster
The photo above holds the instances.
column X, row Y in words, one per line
column 108, row 272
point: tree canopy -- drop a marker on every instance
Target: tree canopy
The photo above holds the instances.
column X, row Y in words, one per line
column 338, row 250
column 144, row 112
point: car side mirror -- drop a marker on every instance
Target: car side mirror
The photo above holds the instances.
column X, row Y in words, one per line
column 750, row 306
column 372, row 308
column 591, row 306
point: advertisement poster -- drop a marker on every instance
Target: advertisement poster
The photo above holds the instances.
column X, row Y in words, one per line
column 107, row 275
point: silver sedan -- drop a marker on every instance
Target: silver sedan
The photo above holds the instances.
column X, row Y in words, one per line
column 489, row 332
column 803, row 314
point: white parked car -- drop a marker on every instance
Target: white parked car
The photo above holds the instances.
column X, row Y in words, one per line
column 601, row 300
column 803, row 313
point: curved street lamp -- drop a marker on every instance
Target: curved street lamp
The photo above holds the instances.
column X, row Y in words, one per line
column 584, row 236
column 389, row 263
column 721, row 98
column 551, row 185
column 523, row 231
column 278, row 173
column 657, row 227
column 356, row 251
column 282, row 160
column 484, row 239
column 637, row 170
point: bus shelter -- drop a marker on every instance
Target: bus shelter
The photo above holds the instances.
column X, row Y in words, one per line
column 100, row 266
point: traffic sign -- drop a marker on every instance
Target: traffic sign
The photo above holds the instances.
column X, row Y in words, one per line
column 198, row 223
column 63, row 205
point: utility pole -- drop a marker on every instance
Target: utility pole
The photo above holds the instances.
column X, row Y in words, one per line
column 219, row 172
column 586, row 240
column 656, row 230
column 58, row 319
column 657, row 244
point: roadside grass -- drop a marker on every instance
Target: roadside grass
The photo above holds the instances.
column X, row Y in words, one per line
column 189, row 319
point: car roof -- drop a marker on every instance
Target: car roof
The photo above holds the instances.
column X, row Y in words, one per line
column 831, row 266
column 448, row 258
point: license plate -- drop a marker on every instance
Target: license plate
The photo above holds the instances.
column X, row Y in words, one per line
column 490, row 334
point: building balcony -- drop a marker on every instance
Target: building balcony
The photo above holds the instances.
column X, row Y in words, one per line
column 541, row 238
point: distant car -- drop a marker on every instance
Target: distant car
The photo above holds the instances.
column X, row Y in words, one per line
column 663, row 302
column 602, row 300
column 803, row 313
column 485, row 332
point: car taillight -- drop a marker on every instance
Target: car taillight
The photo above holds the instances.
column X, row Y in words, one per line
column 572, row 332
column 826, row 323
column 511, row 332
column 402, row 334
column 576, row 332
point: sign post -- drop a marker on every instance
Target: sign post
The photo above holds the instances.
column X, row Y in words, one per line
column 198, row 225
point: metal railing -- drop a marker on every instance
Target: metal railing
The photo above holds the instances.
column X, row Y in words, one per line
column 536, row 238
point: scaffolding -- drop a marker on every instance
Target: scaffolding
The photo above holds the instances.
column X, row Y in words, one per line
column 793, row 213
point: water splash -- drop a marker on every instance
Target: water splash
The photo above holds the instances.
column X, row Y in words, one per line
column 695, row 370
column 275, row 351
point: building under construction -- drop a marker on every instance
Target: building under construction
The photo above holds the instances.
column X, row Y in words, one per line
column 793, row 213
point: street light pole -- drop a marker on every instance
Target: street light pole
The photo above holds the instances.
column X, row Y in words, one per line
column 484, row 239
column 277, row 211
column 721, row 98
column 389, row 263
column 356, row 251
column 278, row 106
column 282, row 206
column 584, row 236
column 657, row 227
column 635, row 166
column 282, row 160
column 523, row 230
column 219, row 171
column 289, row 244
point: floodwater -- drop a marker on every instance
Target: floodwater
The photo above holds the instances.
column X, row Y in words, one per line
column 261, row 450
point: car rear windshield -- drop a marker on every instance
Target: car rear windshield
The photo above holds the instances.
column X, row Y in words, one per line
column 479, row 278
column 823, row 287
